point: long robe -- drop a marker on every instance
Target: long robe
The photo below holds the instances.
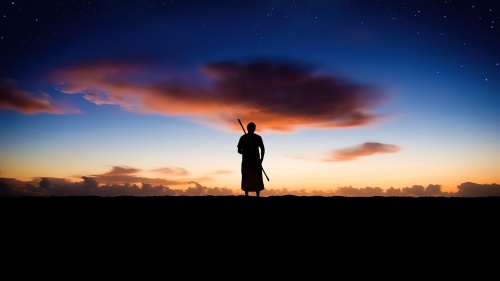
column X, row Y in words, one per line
column 251, row 169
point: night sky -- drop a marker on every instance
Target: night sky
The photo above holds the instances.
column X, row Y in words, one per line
column 347, row 95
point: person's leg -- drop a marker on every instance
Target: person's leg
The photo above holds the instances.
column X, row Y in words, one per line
column 246, row 193
column 258, row 193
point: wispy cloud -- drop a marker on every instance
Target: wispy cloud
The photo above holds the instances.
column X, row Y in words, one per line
column 171, row 171
column 13, row 98
column 121, row 170
column 365, row 149
column 124, row 174
column 276, row 95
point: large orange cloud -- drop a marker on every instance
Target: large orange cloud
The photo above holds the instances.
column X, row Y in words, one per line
column 276, row 95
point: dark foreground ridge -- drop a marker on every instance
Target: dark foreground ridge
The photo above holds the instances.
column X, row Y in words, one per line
column 271, row 202
column 407, row 224
column 170, row 206
column 241, row 202
column 275, row 212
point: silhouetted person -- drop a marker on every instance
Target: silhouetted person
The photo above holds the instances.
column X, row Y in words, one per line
column 251, row 147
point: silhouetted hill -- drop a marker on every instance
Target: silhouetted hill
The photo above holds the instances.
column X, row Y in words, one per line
column 234, row 228
column 295, row 208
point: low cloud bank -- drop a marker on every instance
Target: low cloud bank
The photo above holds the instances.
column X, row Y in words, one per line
column 90, row 187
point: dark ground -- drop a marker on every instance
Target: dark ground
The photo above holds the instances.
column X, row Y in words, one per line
column 291, row 210
column 414, row 234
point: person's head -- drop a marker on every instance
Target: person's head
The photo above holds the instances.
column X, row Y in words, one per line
column 251, row 127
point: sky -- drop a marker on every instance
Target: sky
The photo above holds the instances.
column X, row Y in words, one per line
column 358, row 97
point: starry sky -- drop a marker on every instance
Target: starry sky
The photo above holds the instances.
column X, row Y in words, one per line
column 348, row 96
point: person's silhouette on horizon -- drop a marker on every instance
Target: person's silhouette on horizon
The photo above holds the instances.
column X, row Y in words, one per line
column 252, row 149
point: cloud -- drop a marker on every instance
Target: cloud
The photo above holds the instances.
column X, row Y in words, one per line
column 365, row 149
column 46, row 186
column 121, row 170
column 15, row 99
column 275, row 94
column 470, row 189
column 119, row 179
column 172, row 171
column 89, row 186
column 11, row 97
column 124, row 174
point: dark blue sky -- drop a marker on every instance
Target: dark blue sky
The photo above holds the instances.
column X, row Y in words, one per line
column 34, row 32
